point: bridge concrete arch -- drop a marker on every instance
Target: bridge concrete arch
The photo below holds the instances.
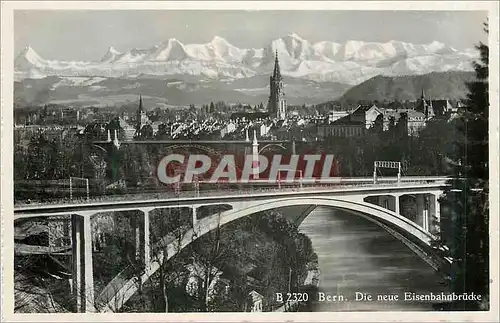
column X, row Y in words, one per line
column 375, row 213
column 353, row 206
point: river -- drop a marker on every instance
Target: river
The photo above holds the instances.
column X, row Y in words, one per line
column 355, row 255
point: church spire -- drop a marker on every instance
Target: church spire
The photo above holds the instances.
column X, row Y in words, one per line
column 277, row 72
column 277, row 104
column 422, row 96
column 140, row 114
column 430, row 109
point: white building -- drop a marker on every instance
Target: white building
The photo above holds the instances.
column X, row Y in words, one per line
column 197, row 277
column 229, row 128
column 335, row 115
column 256, row 300
column 366, row 114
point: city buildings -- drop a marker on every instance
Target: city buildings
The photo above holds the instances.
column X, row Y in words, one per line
column 366, row 114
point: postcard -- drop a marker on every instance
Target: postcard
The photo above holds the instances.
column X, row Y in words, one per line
column 250, row 161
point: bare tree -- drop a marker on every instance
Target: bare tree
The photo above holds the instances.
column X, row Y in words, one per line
column 210, row 255
column 168, row 232
column 31, row 294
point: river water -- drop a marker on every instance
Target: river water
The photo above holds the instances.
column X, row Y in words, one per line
column 356, row 255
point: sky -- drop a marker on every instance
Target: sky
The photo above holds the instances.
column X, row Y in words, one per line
column 86, row 35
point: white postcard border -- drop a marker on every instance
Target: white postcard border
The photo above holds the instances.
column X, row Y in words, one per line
column 7, row 59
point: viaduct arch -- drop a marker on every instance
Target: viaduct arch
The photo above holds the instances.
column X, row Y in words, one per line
column 395, row 224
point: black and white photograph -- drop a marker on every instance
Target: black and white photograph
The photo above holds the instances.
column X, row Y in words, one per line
column 242, row 159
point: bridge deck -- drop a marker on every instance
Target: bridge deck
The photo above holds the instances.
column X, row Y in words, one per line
column 252, row 187
column 183, row 142
column 168, row 199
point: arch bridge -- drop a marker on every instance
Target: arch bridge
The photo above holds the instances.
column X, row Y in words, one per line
column 382, row 203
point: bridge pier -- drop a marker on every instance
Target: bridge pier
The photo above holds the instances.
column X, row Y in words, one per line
column 195, row 217
column 140, row 228
column 435, row 209
column 82, row 267
column 423, row 211
column 397, row 207
column 420, row 210
column 426, row 212
column 427, row 208
column 389, row 202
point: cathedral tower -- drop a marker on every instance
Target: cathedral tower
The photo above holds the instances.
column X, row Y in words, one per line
column 277, row 104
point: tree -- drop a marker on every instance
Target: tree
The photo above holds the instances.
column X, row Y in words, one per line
column 94, row 131
column 210, row 254
column 402, row 126
column 467, row 198
column 392, row 127
column 378, row 126
column 171, row 272
column 146, row 133
column 164, row 291
column 192, row 110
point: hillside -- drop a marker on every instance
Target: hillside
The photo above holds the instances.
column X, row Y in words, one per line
column 437, row 85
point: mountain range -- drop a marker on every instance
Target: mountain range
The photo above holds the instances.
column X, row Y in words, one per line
column 350, row 62
column 173, row 73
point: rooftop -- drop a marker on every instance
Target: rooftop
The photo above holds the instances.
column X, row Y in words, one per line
column 347, row 121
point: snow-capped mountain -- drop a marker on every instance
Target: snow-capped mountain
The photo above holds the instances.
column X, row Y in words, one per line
column 110, row 55
column 351, row 62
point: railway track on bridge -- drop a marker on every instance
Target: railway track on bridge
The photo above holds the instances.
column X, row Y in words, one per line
column 253, row 187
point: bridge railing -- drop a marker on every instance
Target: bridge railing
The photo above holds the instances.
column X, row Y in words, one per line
column 244, row 190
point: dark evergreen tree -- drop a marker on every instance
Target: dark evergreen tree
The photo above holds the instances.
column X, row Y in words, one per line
column 402, row 126
column 392, row 124
column 467, row 198
column 378, row 126
column 147, row 133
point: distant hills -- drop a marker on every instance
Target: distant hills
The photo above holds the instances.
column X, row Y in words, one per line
column 436, row 85
column 183, row 90
column 171, row 91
